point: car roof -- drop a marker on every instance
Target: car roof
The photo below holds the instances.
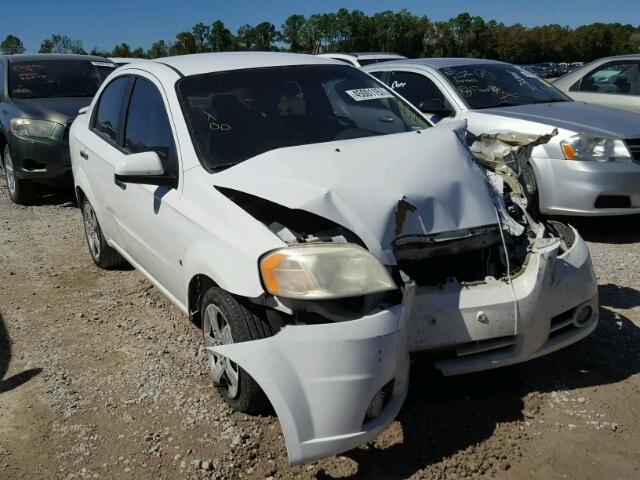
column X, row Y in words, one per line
column 38, row 57
column 200, row 63
column 438, row 62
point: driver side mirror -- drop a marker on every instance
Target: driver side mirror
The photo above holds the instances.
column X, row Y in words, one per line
column 435, row 106
column 143, row 168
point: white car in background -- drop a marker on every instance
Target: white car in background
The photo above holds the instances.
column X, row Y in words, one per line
column 320, row 229
column 610, row 81
column 592, row 165
column 362, row 59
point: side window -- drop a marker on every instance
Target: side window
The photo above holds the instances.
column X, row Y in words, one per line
column 147, row 127
column 620, row 77
column 415, row 87
column 107, row 117
column 379, row 75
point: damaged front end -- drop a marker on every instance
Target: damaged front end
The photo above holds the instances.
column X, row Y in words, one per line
column 453, row 260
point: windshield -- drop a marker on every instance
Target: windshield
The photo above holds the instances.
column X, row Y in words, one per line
column 236, row 115
column 500, row 85
column 56, row 78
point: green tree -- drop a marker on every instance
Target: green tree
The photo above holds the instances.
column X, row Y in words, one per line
column 220, row 38
column 61, row 44
column 158, row 50
column 265, row 35
column 185, row 44
column 122, row 50
column 97, row 52
column 201, row 34
column 11, row 45
column 246, row 37
column 292, row 32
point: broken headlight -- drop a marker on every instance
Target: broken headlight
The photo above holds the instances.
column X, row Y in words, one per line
column 323, row 271
column 598, row 149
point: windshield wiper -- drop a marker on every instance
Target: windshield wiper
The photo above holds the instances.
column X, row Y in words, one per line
column 551, row 100
column 502, row 104
column 223, row 166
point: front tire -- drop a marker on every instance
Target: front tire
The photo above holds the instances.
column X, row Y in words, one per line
column 102, row 254
column 21, row 192
column 225, row 320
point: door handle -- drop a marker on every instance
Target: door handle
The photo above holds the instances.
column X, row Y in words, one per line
column 122, row 185
column 84, row 154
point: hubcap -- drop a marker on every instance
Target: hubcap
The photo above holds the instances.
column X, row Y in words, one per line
column 11, row 176
column 92, row 230
column 218, row 332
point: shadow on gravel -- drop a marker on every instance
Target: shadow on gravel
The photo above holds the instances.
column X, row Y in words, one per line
column 445, row 415
column 5, row 357
column 58, row 197
column 618, row 230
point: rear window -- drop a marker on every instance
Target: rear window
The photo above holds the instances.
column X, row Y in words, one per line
column 57, row 78
column 236, row 115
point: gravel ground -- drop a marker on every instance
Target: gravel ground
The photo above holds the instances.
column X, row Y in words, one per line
column 100, row 377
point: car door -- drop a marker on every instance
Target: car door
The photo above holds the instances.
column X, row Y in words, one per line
column 614, row 84
column 148, row 214
column 99, row 151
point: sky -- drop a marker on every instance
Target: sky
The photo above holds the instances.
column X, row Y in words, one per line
column 105, row 23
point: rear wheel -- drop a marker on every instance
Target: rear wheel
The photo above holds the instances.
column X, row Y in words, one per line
column 225, row 320
column 20, row 191
column 102, row 254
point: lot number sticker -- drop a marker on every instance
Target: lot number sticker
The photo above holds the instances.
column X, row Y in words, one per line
column 362, row 94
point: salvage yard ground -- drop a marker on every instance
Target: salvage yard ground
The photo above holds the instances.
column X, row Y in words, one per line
column 100, row 377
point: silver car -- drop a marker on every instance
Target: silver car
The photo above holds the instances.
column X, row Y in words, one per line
column 591, row 166
column 611, row 81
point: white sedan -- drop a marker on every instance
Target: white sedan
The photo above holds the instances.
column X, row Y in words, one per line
column 319, row 229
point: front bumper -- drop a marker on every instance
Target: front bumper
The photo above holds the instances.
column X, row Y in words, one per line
column 569, row 187
column 41, row 160
column 321, row 379
column 485, row 329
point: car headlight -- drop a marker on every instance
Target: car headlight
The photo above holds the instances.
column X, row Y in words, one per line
column 27, row 127
column 323, row 271
column 597, row 149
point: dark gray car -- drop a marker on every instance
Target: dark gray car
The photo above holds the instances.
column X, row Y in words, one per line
column 40, row 96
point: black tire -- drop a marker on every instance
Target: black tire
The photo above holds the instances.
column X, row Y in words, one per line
column 245, row 325
column 102, row 254
column 531, row 191
column 21, row 192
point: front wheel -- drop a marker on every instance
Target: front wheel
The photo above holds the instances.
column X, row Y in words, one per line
column 21, row 192
column 102, row 254
column 225, row 320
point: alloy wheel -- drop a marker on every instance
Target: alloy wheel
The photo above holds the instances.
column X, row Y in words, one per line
column 218, row 332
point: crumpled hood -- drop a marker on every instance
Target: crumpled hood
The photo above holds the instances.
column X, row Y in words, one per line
column 359, row 183
column 579, row 117
column 60, row 110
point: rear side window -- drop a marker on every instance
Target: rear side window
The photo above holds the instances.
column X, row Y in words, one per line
column 107, row 118
column 615, row 77
column 147, row 127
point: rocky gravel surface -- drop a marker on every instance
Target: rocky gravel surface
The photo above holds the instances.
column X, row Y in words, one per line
column 101, row 377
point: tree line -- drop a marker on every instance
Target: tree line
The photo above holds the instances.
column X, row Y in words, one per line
column 401, row 32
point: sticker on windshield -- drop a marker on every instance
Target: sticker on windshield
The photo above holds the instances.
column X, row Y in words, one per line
column 362, row 94
column 103, row 64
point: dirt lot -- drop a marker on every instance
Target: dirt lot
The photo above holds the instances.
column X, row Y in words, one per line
column 100, row 377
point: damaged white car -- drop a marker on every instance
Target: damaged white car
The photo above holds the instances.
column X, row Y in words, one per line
column 321, row 230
